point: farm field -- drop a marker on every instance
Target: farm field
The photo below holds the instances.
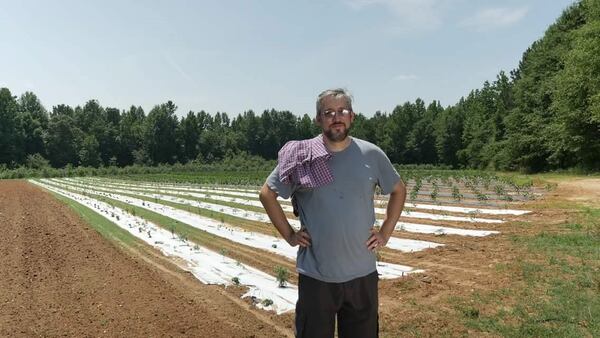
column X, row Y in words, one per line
column 209, row 249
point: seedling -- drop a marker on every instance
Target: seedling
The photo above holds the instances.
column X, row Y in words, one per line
column 456, row 195
column 282, row 275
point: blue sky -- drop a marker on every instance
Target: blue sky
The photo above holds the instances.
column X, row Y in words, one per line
column 235, row 55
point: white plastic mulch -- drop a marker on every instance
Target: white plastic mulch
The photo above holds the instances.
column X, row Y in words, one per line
column 394, row 243
column 210, row 193
column 252, row 239
column 253, row 194
column 262, row 217
column 206, row 265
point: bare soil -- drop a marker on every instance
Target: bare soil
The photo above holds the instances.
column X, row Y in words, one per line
column 59, row 277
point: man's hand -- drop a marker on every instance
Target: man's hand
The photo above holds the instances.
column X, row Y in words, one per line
column 376, row 240
column 301, row 238
column 268, row 199
column 394, row 209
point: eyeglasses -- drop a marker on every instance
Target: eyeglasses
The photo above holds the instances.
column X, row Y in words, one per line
column 329, row 114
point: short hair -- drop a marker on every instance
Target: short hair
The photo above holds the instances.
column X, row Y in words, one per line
column 335, row 92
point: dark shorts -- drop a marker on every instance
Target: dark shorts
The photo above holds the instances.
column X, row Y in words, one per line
column 354, row 302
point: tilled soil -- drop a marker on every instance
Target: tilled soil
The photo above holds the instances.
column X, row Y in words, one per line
column 59, row 277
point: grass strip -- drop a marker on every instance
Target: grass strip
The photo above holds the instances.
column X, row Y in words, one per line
column 103, row 226
column 556, row 292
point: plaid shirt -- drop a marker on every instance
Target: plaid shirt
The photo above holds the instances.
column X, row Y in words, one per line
column 304, row 163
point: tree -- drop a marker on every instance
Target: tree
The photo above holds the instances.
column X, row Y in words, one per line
column 160, row 127
column 577, row 98
column 448, row 130
column 530, row 127
column 11, row 150
column 189, row 135
column 89, row 154
column 131, row 137
column 64, row 140
column 420, row 144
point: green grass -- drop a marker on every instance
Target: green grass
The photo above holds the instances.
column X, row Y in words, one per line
column 178, row 228
column 99, row 223
column 557, row 293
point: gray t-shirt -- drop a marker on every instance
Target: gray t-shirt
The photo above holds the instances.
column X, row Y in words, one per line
column 339, row 216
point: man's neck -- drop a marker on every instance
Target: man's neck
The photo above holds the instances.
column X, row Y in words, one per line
column 336, row 146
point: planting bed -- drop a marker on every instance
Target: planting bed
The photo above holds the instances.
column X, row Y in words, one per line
column 62, row 278
column 180, row 202
column 436, row 247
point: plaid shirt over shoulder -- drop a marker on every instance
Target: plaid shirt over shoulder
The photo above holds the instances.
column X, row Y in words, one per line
column 305, row 163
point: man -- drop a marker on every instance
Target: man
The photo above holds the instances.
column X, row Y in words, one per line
column 334, row 199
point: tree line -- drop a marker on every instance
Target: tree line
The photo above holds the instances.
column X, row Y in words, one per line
column 544, row 115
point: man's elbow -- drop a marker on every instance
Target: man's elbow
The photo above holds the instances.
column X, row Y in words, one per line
column 266, row 194
column 400, row 188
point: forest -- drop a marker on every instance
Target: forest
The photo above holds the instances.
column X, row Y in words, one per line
column 544, row 115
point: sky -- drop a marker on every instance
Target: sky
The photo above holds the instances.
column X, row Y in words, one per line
column 235, row 55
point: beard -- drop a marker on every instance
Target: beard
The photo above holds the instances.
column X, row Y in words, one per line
column 337, row 136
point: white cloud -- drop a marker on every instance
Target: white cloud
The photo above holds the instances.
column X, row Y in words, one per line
column 405, row 77
column 412, row 14
column 495, row 17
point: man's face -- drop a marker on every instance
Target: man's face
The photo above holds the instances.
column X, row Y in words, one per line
column 335, row 126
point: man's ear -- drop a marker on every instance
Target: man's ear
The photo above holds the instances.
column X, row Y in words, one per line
column 317, row 120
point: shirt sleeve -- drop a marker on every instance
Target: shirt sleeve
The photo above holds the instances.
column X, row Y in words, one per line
column 283, row 190
column 388, row 176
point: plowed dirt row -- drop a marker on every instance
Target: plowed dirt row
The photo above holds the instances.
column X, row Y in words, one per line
column 59, row 277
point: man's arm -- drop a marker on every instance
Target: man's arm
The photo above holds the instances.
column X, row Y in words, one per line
column 392, row 214
column 268, row 198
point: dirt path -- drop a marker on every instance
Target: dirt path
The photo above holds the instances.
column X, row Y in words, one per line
column 59, row 277
column 581, row 190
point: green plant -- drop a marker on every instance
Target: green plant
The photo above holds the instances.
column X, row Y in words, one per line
column 235, row 281
column 456, row 195
column 282, row 275
column 414, row 192
column 481, row 196
column 434, row 192
column 267, row 302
